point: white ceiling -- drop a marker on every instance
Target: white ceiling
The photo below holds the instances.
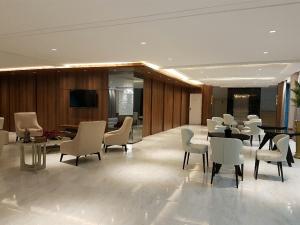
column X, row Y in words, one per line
column 179, row 34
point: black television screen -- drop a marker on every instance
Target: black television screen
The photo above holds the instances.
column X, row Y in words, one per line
column 83, row 98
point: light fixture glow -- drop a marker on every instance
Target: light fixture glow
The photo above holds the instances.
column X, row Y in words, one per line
column 26, row 68
column 195, row 82
column 143, row 43
column 53, row 49
column 266, row 52
column 238, row 78
column 272, row 31
column 176, row 74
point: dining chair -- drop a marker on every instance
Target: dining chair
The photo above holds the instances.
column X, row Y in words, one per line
column 188, row 147
column 213, row 126
column 252, row 130
column 219, row 120
column 282, row 143
column 229, row 120
column 226, row 151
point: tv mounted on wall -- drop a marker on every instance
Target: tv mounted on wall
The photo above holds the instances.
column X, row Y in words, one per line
column 83, row 98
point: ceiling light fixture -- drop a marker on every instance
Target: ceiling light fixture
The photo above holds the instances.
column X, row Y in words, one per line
column 260, row 69
column 143, row 43
column 272, row 31
column 53, row 49
column 265, row 52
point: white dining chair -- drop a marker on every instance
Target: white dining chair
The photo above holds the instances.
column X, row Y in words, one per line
column 282, row 143
column 226, row 151
column 229, row 120
column 213, row 126
column 252, row 130
column 188, row 147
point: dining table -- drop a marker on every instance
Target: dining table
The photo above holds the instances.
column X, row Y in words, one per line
column 271, row 132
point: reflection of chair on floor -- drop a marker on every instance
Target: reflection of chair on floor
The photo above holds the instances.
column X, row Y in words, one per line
column 27, row 120
column 188, row 147
column 120, row 136
column 88, row 140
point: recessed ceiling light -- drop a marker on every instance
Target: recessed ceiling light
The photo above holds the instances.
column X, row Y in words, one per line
column 143, row 43
column 272, row 31
column 53, row 49
column 260, row 69
column 266, row 52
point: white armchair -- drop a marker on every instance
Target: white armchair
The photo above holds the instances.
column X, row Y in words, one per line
column 282, row 143
column 120, row 136
column 88, row 140
column 227, row 151
column 252, row 129
column 188, row 147
column 27, row 120
column 213, row 126
column 250, row 117
column 229, row 120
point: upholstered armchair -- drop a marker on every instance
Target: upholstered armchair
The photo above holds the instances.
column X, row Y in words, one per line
column 3, row 134
column 282, row 143
column 226, row 151
column 88, row 140
column 120, row 136
column 229, row 120
column 250, row 117
column 188, row 147
column 27, row 120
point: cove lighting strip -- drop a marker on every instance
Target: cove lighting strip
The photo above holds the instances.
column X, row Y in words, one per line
column 238, row 78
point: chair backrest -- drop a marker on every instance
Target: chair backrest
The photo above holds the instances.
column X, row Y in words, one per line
column 228, row 119
column 282, row 143
column 126, row 126
column 186, row 136
column 90, row 136
column 250, row 117
column 253, row 125
column 226, row 150
column 211, row 124
column 1, row 122
column 219, row 120
column 25, row 120
column 235, row 130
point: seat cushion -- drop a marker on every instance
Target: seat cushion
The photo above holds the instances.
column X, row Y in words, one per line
column 198, row 148
column 268, row 155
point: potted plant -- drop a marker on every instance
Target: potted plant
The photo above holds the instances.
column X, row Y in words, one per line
column 296, row 99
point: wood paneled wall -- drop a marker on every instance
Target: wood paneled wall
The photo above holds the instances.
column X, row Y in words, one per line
column 165, row 100
column 165, row 104
column 47, row 93
column 207, row 95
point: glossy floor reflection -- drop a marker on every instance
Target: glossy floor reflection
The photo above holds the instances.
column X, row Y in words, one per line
column 145, row 186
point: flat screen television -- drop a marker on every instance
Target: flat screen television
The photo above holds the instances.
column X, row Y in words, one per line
column 83, row 98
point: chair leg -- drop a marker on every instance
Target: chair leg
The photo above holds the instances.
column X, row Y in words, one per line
column 99, row 157
column 212, row 173
column 188, row 158
column 185, row 153
column 257, row 166
column 105, row 150
column 278, row 167
column 242, row 171
column 207, row 137
column 251, row 139
column 125, row 147
column 280, row 164
column 203, row 157
column 61, row 156
column 236, row 167
column 259, row 139
column 207, row 159
column 17, row 138
column 77, row 158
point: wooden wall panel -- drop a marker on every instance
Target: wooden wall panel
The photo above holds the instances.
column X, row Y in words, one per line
column 147, row 99
column 177, row 107
column 157, row 119
column 207, row 94
column 168, row 106
column 4, row 101
column 46, row 99
column 185, row 103
column 22, row 94
column 279, row 104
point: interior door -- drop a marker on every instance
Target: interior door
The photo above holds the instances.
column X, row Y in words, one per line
column 195, row 109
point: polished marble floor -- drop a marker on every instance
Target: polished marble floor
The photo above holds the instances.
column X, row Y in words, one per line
column 145, row 186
